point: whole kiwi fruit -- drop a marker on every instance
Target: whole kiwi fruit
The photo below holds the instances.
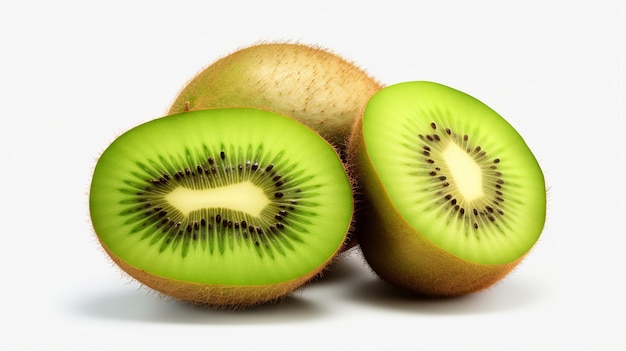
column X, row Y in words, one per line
column 312, row 85
column 453, row 197
column 223, row 207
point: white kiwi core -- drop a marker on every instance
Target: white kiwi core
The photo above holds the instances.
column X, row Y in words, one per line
column 464, row 171
column 244, row 196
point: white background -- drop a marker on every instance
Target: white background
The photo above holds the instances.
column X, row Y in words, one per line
column 73, row 75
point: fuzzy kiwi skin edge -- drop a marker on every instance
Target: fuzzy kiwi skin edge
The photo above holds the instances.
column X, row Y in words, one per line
column 397, row 252
column 308, row 83
column 216, row 295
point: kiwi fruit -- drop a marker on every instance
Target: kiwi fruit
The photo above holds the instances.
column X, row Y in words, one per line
column 312, row 85
column 224, row 207
column 454, row 198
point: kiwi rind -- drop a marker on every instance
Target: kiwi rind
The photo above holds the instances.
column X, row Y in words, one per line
column 251, row 268
column 309, row 83
column 401, row 243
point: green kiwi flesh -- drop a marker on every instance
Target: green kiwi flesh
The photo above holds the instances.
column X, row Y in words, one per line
column 226, row 207
column 455, row 197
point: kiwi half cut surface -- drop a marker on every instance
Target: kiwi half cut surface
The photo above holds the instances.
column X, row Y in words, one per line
column 227, row 207
column 455, row 197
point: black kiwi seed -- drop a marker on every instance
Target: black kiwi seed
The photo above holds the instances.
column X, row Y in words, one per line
column 492, row 211
column 208, row 224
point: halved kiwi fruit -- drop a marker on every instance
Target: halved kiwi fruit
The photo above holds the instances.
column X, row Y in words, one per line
column 454, row 196
column 225, row 207
column 312, row 85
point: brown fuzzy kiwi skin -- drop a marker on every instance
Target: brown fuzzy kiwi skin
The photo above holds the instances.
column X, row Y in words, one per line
column 308, row 83
column 397, row 252
column 230, row 297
